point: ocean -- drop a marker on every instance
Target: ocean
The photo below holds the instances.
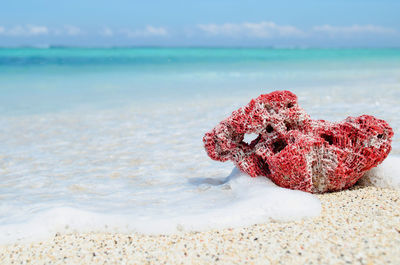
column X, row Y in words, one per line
column 111, row 139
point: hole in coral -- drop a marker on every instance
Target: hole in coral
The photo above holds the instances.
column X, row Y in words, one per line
column 290, row 105
column 263, row 166
column 269, row 128
column 288, row 126
column 278, row 145
column 379, row 136
column 249, row 138
column 224, row 153
column 328, row 138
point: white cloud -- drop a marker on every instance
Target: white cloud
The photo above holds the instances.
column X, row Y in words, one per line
column 28, row 30
column 153, row 31
column 72, row 30
column 371, row 29
column 37, row 30
column 107, row 32
column 67, row 30
column 148, row 31
column 34, row 30
column 262, row 29
column 15, row 31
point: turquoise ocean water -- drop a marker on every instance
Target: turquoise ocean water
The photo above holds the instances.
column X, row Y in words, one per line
column 35, row 80
column 96, row 134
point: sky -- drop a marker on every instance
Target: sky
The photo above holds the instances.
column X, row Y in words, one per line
column 306, row 23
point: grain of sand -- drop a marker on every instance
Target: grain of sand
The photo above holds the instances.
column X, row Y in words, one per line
column 357, row 226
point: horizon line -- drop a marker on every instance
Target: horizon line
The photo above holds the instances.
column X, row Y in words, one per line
column 187, row 47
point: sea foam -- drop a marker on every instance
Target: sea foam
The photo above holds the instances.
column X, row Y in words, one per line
column 386, row 175
column 251, row 201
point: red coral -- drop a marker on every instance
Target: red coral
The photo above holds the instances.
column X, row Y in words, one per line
column 295, row 151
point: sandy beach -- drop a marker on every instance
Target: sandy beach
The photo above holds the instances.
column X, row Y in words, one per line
column 357, row 226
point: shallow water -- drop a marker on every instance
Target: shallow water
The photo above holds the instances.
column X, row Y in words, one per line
column 112, row 139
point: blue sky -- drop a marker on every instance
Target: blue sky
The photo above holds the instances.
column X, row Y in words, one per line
column 315, row 23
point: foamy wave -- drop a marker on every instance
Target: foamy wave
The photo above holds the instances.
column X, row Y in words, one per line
column 254, row 200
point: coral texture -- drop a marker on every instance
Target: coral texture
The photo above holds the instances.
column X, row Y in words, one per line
column 295, row 151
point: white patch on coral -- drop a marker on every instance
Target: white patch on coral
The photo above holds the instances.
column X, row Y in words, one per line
column 321, row 162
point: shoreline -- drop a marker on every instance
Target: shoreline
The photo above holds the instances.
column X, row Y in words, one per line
column 358, row 226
